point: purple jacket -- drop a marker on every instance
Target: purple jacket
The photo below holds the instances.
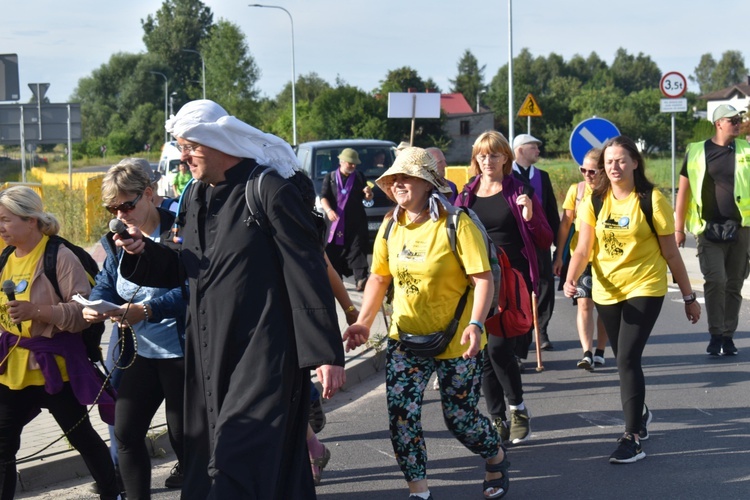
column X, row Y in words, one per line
column 535, row 233
column 83, row 377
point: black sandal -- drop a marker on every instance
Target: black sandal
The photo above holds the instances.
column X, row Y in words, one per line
column 503, row 483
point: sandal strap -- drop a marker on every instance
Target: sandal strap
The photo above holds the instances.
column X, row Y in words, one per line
column 499, row 467
column 321, row 461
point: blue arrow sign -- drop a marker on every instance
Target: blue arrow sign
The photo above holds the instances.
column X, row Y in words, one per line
column 589, row 134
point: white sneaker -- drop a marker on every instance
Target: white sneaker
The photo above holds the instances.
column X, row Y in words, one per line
column 436, row 384
column 599, row 361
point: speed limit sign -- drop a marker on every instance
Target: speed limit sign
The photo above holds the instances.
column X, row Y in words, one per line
column 673, row 84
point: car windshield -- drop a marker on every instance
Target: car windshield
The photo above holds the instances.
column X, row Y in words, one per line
column 374, row 160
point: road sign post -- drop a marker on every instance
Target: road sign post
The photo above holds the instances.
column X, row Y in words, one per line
column 589, row 134
column 528, row 109
column 673, row 86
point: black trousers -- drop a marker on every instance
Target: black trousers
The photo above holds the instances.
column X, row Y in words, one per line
column 143, row 387
column 546, row 299
column 15, row 408
column 629, row 324
column 501, row 376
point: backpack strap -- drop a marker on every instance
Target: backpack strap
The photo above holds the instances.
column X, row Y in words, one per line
column 254, row 181
column 647, row 207
column 50, row 262
column 4, row 256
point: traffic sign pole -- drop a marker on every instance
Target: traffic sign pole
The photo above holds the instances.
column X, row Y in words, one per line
column 673, row 85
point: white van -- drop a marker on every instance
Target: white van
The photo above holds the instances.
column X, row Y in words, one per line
column 168, row 167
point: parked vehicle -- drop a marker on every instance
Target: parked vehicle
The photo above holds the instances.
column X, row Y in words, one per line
column 168, row 163
column 320, row 157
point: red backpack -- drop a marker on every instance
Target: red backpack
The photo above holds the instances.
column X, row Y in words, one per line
column 514, row 315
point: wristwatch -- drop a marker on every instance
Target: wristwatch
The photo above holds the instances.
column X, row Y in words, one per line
column 689, row 299
column 349, row 309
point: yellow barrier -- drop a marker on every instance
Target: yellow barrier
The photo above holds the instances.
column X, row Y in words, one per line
column 458, row 175
column 90, row 183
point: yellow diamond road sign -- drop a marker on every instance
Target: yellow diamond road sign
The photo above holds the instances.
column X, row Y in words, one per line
column 530, row 107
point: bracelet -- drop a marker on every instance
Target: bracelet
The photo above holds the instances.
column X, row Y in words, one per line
column 145, row 312
column 478, row 324
column 678, row 231
column 329, row 210
column 349, row 309
column 689, row 299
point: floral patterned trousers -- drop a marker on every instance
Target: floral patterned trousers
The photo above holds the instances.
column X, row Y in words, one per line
column 406, row 377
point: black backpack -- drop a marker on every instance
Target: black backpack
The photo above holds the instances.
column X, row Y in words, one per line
column 303, row 184
column 92, row 335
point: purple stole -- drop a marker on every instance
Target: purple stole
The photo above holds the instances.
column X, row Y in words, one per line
column 336, row 235
column 536, row 181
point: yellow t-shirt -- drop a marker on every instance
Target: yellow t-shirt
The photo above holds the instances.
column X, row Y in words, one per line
column 428, row 280
column 21, row 270
column 570, row 204
column 627, row 260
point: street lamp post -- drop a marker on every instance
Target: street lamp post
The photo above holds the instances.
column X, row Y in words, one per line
column 166, row 99
column 203, row 68
column 294, row 77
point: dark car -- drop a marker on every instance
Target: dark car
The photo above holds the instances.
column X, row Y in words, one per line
column 320, row 157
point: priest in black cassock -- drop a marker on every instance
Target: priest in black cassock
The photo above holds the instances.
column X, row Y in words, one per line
column 261, row 312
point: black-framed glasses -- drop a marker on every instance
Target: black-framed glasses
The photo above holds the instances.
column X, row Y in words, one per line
column 586, row 171
column 123, row 207
column 187, row 148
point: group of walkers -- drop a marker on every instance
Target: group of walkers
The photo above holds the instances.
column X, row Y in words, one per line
column 223, row 308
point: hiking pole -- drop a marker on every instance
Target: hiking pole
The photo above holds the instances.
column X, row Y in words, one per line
column 539, row 365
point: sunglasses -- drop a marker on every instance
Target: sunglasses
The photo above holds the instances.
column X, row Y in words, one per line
column 735, row 120
column 585, row 171
column 124, row 207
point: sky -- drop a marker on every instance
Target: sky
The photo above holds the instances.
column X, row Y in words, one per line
column 360, row 41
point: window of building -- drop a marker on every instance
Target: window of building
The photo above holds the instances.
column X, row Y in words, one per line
column 464, row 127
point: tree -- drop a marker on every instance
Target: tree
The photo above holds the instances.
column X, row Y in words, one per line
column 712, row 76
column 178, row 25
column 730, row 70
column 231, row 72
column 470, row 78
column 632, row 74
column 704, row 73
column 401, row 80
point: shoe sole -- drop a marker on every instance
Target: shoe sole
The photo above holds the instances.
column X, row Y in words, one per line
column 585, row 365
column 630, row 460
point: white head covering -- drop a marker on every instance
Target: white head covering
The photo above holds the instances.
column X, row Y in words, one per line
column 205, row 122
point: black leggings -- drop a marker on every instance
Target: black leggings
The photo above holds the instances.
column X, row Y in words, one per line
column 16, row 406
column 628, row 325
column 143, row 387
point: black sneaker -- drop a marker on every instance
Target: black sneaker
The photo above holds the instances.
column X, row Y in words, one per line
column 714, row 345
column 175, row 478
column 645, row 420
column 628, row 451
column 727, row 347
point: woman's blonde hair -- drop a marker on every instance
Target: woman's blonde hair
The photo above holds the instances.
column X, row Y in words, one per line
column 491, row 142
column 125, row 177
column 26, row 204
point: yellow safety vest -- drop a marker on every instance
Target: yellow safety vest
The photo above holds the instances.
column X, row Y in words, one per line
column 696, row 170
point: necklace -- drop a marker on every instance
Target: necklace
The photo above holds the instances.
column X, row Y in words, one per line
column 415, row 219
